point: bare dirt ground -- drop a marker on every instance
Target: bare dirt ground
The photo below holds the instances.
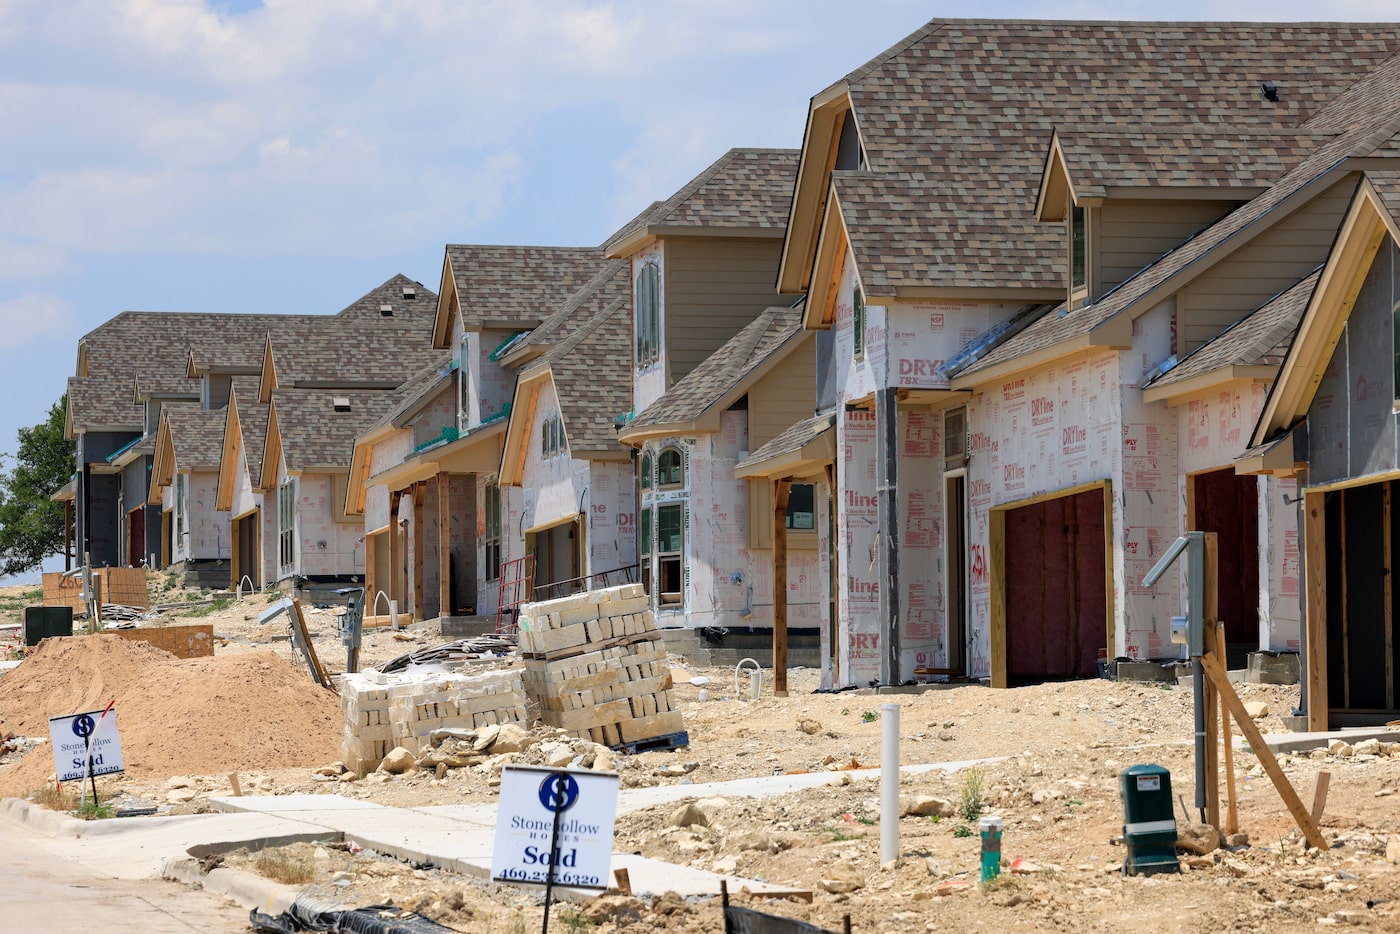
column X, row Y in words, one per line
column 1048, row 756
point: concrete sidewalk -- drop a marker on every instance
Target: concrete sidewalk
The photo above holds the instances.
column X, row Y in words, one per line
column 458, row 838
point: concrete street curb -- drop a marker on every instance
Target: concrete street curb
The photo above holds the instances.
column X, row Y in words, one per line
column 247, row 889
column 30, row 815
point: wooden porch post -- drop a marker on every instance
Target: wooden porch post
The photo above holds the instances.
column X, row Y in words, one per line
column 781, row 490
column 419, row 489
column 1315, row 618
column 445, row 607
column 68, row 535
column 395, row 560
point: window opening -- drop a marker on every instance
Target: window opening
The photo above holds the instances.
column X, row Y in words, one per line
column 670, row 544
column 492, row 508
column 286, row 523
column 648, row 315
column 670, row 469
column 646, row 471
column 858, row 321
column 801, row 508
column 1078, row 253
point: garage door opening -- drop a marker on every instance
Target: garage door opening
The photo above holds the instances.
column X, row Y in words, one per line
column 1227, row 504
column 1362, row 528
column 1051, row 591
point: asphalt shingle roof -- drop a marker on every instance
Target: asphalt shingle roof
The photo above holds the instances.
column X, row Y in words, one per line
column 744, row 188
column 1100, row 158
column 612, row 281
column 361, row 344
column 196, row 434
column 252, row 422
column 723, row 370
column 1260, row 339
column 517, row 284
column 314, row 435
column 792, row 439
column 949, row 112
column 592, row 371
column 1367, row 128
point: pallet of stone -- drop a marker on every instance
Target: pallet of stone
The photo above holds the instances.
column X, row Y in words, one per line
column 596, row 666
column 366, row 736
column 446, row 701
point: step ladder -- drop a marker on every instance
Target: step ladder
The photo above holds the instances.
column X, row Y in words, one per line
column 517, row 580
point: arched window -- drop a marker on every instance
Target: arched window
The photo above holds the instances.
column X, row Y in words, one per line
column 648, row 312
column 646, row 471
column 670, row 469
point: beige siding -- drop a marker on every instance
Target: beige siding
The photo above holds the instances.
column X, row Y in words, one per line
column 783, row 397
column 1270, row 263
column 1129, row 235
column 713, row 288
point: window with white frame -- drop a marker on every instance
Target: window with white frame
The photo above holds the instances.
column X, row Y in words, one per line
column 552, row 440
column 464, row 380
column 492, row 508
column 286, row 523
column 858, row 321
column 1078, row 252
column 670, row 469
column 670, row 552
column 648, row 312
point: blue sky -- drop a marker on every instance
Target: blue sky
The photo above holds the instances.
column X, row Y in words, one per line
column 288, row 156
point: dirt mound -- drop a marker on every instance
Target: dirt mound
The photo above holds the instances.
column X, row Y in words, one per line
column 197, row 716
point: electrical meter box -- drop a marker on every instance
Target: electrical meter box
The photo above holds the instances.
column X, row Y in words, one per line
column 1149, row 825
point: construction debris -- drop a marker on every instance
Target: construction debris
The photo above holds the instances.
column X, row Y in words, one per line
column 596, row 665
column 450, row 654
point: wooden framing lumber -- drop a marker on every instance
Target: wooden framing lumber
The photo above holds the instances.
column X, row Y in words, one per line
column 781, row 491
column 1232, row 814
column 1211, row 611
column 1315, row 619
column 444, row 492
column 1217, row 674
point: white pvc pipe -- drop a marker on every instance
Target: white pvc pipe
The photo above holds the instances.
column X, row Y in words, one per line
column 889, row 782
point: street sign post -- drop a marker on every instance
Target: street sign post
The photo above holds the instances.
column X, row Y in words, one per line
column 86, row 745
column 555, row 826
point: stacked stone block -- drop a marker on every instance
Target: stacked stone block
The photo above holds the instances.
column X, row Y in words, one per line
column 383, row 711
column 596, row 666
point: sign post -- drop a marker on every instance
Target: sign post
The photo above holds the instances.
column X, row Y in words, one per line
column 86, row 745
column 555, row 827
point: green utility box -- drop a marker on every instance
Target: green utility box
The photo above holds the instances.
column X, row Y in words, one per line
column 1149, row 827
column 41, row 622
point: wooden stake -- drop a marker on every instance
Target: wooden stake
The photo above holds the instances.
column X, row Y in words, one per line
column 1232, row 815
column 1216, row 673
column 623, row 880
column 781, row 492
column 1324, row 779
column 233, row 783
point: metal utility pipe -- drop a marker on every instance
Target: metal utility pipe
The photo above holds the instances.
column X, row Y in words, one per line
column 889, row 782
column 1198, row 689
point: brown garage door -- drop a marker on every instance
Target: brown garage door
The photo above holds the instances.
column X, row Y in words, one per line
column 1056, row 603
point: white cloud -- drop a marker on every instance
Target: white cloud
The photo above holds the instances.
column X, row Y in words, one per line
column 31, row 315
column 31, row 261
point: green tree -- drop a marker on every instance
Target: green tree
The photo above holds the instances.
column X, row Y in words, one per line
column 31, row 524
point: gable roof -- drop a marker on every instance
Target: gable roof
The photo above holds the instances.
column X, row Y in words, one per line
column 245, row 421
column 612, row 281
column 716, row 381
column 507, row 286
column 956, row 103
column 1119, row 161
column 196, row 436
column 803, row 447
column 310, row 435
column 1253, row 348
column 1369, row 220
column 592, row 372
column 744, row 190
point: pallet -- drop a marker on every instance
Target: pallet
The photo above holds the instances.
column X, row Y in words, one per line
column 669, row 741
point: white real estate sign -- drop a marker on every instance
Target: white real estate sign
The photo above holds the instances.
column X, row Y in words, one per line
column 585, row 804
column 78, row 735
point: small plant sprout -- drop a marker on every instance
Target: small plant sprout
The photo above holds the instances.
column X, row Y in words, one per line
column 870, row 716
column 970, row 795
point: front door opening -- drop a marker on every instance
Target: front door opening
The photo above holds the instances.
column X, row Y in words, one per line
column 1227, row 504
